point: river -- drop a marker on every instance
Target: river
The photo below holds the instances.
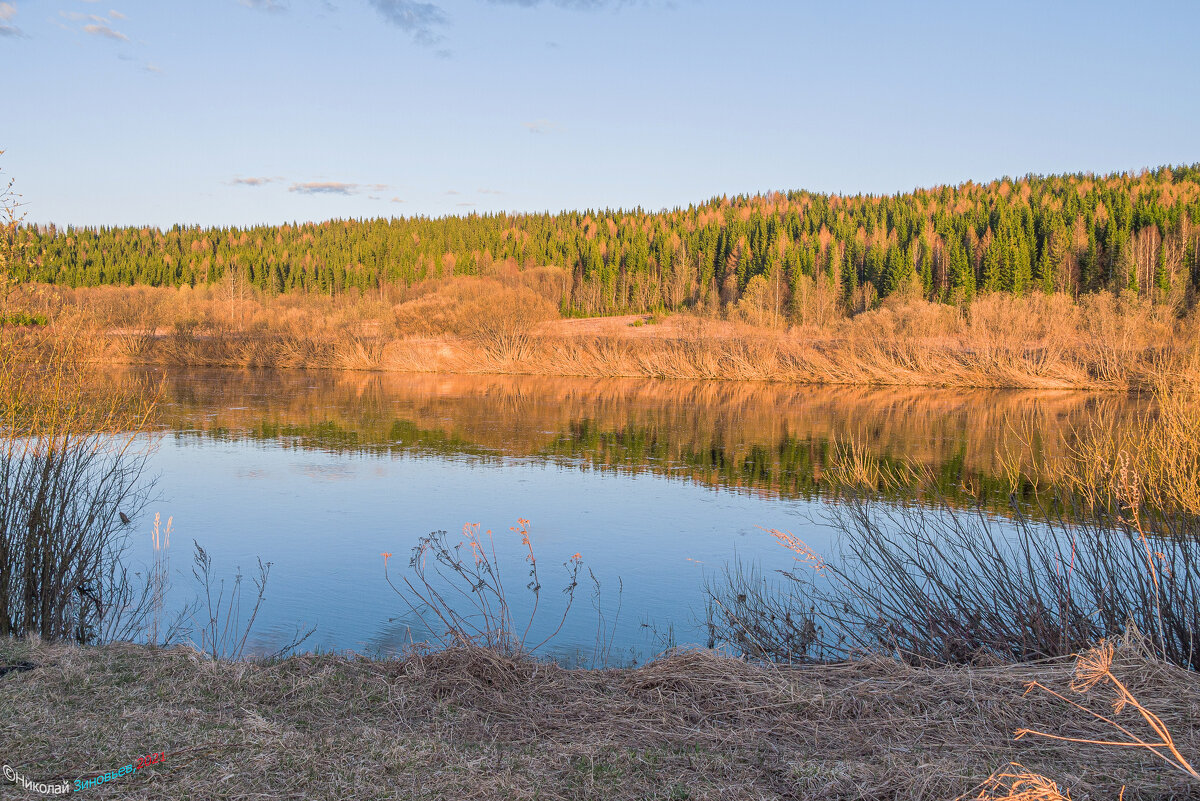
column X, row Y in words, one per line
column 655, row 484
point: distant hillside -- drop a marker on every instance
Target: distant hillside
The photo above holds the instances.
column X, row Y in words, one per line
column 1072, row 233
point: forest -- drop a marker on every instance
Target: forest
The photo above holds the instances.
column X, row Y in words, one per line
column 1135, row 234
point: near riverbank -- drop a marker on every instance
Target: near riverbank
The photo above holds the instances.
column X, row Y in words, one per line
column 461, row 724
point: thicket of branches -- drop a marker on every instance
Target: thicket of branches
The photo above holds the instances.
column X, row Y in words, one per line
column 71, row 474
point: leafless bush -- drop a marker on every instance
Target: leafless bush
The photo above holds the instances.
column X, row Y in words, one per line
column 500, row 319
column 948, row 584
column 71, row 477
column 761, row 618
column 945, row 584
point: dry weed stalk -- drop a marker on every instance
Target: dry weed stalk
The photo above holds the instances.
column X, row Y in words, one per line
column 160, row 540
column 482, row 616
column 222, row 633
column 1093, row 668
column 803, row 550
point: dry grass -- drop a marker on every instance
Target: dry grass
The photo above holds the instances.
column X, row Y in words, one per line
column 505, row 324
column 1019, row 784
column 1093, row 668
column 467, row 723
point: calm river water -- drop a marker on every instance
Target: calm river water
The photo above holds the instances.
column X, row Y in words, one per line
column 654, row 483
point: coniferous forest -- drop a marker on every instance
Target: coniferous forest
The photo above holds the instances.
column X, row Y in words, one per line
column 1127, row 233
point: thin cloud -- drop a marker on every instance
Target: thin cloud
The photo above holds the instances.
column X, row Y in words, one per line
column 7, row 12
column 324, row 188
column 489, row 191
column 575, row 5
column 453, row 192
column 399, row 200
column 257, row 181
column 541, row 126
column 470, row 205
column 265, row 5
column 79, row 16
column 100, row 29
column 419, row 20
column 330, row 188
column 157, row 70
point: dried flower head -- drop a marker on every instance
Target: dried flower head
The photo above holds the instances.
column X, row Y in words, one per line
column 1021, row 785
column 1092, row 667
column 800, row 548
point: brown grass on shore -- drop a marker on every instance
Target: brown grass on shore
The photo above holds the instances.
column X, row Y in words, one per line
column 469, row 723
column 466, row 325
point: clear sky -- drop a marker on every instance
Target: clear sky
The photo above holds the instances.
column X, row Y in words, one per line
column 247, row 111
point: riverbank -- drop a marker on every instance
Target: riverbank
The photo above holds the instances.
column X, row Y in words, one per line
column 462, row 724
column 1099, row 341
column 755, row 357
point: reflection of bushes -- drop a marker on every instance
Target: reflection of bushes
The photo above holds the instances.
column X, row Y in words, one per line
column 1157, row 456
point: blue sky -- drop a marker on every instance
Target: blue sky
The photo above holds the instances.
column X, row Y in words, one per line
column 248, row 111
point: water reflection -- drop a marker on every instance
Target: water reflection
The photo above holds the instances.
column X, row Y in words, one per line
column 654, row 482
column 766, row 438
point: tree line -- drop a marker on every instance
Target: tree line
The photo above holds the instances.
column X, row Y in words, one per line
column 1135, row 233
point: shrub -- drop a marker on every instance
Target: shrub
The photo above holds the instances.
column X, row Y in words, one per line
column 946, row 584
column 500, row 319
column 70, row 478
column 458, row 591
column 24, row 318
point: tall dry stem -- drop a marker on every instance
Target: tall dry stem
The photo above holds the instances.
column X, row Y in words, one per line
column 1093, row 668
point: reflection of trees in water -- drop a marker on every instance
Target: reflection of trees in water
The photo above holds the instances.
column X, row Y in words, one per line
column 776, row 439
